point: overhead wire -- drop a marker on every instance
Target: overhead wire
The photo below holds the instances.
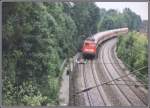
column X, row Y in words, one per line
column 105, row 83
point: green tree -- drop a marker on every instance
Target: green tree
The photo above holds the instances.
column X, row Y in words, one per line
column 132, row 49
column 131, row 19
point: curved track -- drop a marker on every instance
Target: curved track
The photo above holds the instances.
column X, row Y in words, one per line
column 105, row 68
column 127, row 80
column 113, row 73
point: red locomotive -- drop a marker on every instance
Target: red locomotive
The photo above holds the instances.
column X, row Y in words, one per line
column 89, row 47
column 91, row 43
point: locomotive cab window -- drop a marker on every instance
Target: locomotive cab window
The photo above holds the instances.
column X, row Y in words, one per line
column 86, row 44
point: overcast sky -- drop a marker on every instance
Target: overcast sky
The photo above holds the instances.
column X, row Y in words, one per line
column 140, row 8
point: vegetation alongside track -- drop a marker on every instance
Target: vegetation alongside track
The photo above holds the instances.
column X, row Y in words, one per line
column 37, row 37
column 133, row 51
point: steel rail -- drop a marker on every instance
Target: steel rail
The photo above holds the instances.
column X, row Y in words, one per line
column 129, row 85
column 85, row 84
column 97, row 83
column 104, row 83
column 113, row 78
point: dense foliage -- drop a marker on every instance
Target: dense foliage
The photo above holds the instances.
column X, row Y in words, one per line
column 133, row 50
column 37, row 37
column 113, row 19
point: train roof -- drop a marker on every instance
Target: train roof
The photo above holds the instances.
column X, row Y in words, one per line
column 90, row 39
column 100, row 34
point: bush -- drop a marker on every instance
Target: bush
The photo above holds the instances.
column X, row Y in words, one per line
column 133, row 50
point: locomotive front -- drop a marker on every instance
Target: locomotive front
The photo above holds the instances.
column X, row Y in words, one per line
column 89, row 48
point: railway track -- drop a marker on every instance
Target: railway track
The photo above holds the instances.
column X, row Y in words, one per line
column 105, row 64
column 94, row 96
column 110, row 91
column 138, row 92
column 96, row 83
column 125, row 89
column 106, row 68
column 85, row 85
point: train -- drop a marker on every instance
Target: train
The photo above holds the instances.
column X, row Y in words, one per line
column 90, row 45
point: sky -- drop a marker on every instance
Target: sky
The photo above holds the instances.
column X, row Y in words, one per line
column 140, row 8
